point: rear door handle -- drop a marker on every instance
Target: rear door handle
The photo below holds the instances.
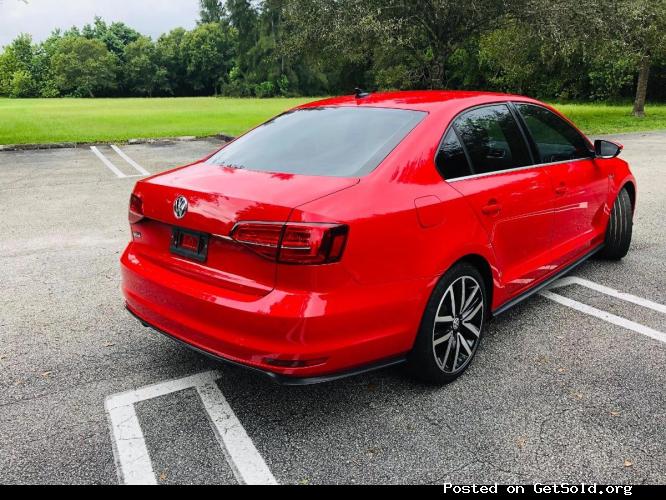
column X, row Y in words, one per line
column 492, row 208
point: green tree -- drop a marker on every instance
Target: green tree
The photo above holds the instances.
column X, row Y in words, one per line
column 571, row 49
column 143, row 73
column 169, row 50
column 23, row 51
column 510, row 57
column 244, row 18
column 211, row 11
column 642, row 32
column 17, row 67
column 8, row 66
column 418, row 37
column 115, row 36
column 83, row 67
column 610, row 73
column 22, row 84
column 209, row 52
column 635, row 27
column 44, row 77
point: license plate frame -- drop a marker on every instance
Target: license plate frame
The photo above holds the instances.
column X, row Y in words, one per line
column 197, row 252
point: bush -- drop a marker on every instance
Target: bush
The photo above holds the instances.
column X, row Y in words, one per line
column 236, row 88
column 284, row 86
column 49, row 90
column 22, row 84
column 610, row 76
column 264, row 89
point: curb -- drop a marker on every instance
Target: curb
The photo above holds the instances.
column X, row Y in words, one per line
column 132, row 142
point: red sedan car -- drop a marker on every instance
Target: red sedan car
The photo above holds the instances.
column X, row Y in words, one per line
column 365, row 231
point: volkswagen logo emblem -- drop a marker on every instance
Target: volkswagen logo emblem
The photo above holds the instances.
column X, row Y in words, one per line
column 180, row 207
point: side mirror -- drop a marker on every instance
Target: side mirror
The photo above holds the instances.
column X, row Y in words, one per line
column 607, row 149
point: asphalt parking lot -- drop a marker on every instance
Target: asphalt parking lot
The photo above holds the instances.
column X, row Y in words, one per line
column 566, row 387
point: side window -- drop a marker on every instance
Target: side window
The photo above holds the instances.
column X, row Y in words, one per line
column 555, row 139
column 493, row 139
column 451, row 160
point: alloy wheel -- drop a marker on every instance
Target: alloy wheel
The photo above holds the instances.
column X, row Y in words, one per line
column 458, row 324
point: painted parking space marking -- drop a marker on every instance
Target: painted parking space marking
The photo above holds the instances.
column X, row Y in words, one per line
column 573, row 280
column 129, row 445
column 111, row 166
column 107, row 162
column 129, row 160
column 603, row 315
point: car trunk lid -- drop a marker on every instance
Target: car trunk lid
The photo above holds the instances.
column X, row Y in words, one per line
column 218, row 198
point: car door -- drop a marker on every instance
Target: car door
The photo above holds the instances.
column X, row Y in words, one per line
column 511, row 198
column 580, row 184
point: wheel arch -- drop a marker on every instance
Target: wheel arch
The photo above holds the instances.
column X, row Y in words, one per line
column 631, row 190
column 483, row 266
column 422, row 354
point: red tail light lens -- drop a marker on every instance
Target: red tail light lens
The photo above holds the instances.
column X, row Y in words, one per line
column 262, row 238
column 313, row 243
column 135, row 209
column 293, row 243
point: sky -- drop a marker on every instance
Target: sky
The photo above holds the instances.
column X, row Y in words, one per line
column 40, row 17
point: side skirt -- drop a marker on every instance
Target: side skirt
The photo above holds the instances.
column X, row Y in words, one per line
column 527, row 294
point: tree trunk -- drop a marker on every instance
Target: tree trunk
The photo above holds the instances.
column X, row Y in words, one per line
column 641, row 90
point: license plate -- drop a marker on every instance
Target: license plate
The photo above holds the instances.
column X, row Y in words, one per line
column 189, row 244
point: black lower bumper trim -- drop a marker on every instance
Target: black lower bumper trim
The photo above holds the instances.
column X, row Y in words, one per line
column 275, row 377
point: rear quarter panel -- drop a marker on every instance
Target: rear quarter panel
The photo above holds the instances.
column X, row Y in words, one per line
column 388, row 242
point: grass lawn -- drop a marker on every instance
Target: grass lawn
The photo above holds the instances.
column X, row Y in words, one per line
column 598, row 119
column 25, row 121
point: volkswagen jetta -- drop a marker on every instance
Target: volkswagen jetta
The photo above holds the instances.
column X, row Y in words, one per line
column 364, row 231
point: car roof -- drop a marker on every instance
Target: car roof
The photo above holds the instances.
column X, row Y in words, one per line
column 421, row 100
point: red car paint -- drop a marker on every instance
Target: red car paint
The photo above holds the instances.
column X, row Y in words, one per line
column 406, row 227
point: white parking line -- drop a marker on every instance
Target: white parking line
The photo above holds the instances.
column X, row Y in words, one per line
column 108, row 163
column 248, row 466
column 129, row 446
column 129, row 160
column 606, row 316
column 573, row 280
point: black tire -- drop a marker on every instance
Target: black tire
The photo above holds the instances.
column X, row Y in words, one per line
column 620, row 228
column 430, row 360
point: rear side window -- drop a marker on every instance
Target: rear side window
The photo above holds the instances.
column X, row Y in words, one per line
column 492, row 139
column 451, row 160
column 554, row 138
column 334, row 142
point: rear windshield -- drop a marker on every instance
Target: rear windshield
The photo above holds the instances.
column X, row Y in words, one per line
column 334, row 142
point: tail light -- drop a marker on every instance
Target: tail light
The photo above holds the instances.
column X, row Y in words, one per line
column 135, row 209
column 294, row 243
column 262, row 238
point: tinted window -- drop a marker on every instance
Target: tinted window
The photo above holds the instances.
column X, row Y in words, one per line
column 451, row 159
column 555, row 139
column 492, row 139
column 337, row 142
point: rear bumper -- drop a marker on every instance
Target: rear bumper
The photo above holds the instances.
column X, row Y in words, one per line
column 275, row 377
column 295, row 338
